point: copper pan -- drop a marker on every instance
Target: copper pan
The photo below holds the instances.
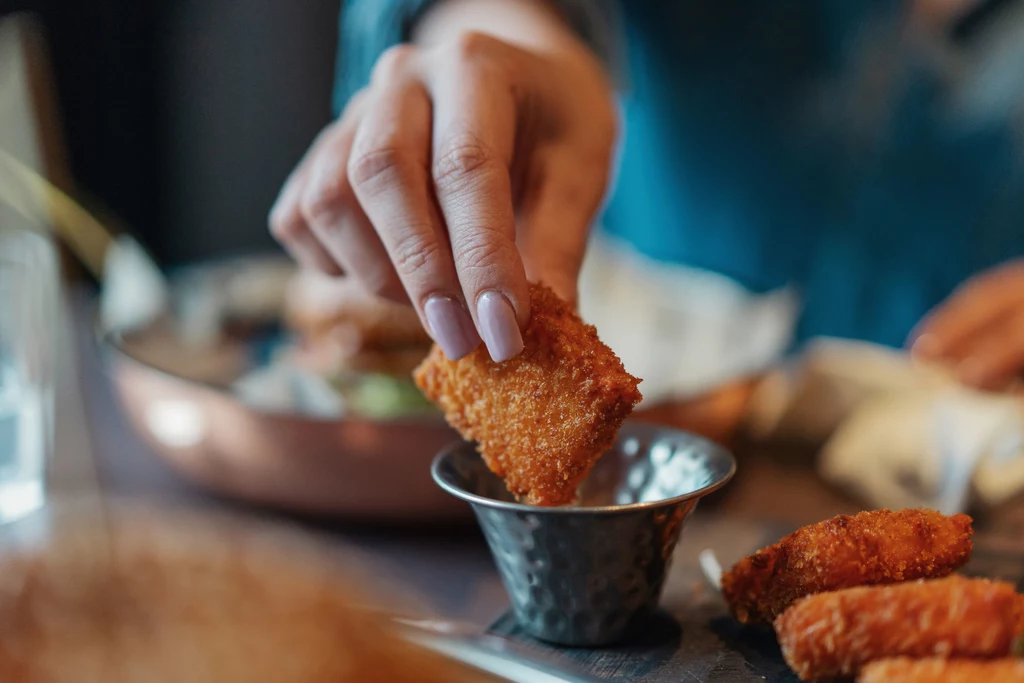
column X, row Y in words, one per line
column 347, row 467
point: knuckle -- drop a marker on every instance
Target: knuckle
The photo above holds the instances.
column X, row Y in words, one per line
column 414, row 253
column 380, row 162
column 471, row 46
column 355, row 103
column 325, row 198
column 381, row 281
column 485, row 252
column 285, row 225
column 461, row 160
column 392, row 63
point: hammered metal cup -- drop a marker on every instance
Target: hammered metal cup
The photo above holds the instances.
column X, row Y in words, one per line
column 590, row 574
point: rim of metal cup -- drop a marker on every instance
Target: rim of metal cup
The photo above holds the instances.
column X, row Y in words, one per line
column 629, row 429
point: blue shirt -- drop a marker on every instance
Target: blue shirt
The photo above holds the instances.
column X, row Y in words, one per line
column 810, row 143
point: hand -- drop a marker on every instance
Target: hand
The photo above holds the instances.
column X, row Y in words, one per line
column 980, row 329
column 462, row 170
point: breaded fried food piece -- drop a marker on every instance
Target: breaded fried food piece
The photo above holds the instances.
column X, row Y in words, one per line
column 938, row 670
column 835, row 634
column 543, row 418
column 873, row 547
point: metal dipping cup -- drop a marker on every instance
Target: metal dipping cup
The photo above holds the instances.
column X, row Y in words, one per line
column 589, row 574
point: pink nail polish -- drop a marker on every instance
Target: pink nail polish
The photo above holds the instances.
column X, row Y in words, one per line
column 450, row 326
column 498, row 326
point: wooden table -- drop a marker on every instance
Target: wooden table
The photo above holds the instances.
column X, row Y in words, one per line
column 451, row 569
column 98, row 453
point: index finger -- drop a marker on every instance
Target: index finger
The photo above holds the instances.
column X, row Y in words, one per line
column 473, row 140
column 288, row 225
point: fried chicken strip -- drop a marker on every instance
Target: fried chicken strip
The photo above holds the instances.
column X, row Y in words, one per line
column 835, row 634
column 938, row 670
column 874, row 547
column 543, row 418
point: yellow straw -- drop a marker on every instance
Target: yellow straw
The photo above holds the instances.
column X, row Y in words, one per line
column 37, row 199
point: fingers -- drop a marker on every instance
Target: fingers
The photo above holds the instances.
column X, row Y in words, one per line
column 388, row 170
column 289, row 226
column 329, row 207
column 473, row 138
column 980, row 330
column 979, row 302
column 411, row 191
column 565, row 192
column 994, row 360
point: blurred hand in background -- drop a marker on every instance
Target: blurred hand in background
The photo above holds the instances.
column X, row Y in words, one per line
column 979, row 329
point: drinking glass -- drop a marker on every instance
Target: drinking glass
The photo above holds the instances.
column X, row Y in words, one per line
column 28, row 304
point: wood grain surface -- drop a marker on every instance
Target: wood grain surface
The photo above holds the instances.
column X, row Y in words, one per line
column 693, row 639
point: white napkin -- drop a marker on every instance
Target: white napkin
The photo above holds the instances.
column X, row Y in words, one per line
column 135, row 292
column 896, row 433
column 684, row 331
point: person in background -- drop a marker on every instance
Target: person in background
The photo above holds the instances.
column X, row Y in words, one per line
column 845, row 154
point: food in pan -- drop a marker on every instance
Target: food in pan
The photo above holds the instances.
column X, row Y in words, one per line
column 939, row 670
column 321, row 307
column 365, row 346
column 542, row 418
column 875, row 547
column 835, row 634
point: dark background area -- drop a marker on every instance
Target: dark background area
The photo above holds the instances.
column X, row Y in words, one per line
column 183, row 117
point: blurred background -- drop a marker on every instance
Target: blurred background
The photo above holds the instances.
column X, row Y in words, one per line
column 182, row 118
column 178, row 121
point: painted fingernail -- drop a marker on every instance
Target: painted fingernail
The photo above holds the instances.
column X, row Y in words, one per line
column 926, row 346
column 498, row 326
column 450, row 326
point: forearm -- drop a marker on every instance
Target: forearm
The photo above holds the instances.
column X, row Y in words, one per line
column 533, row 24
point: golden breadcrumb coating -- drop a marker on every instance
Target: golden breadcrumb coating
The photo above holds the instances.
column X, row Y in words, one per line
column 542, row 418
column 835, row 634
column 938, row 670
column 874, row 547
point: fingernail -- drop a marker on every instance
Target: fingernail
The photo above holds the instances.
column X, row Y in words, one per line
column 927, row 346
column 498, row 326
column 450, row 326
